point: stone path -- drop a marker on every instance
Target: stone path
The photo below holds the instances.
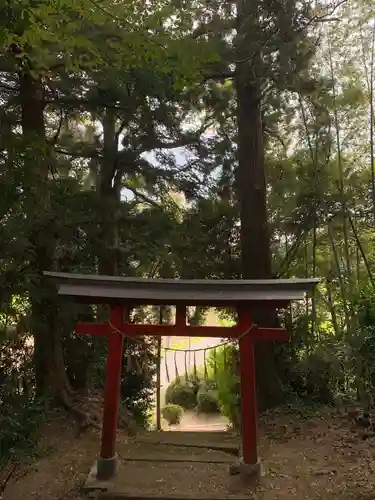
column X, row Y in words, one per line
column 201, row 423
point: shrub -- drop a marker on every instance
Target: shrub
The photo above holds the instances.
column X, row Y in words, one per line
column 363, row 343
column 172, row 414
column 21, row 412
column 220, row 369
column 137, row 386
column 318, row 376
column 19, row 425
column 207, row 401
column 183, row 392
column 208, row 384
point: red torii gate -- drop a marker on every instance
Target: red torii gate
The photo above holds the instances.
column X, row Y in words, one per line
column 121, row 293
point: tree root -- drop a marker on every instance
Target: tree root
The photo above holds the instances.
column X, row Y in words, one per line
column 82, row 417
column 126, row 420
column 87, row 412
column 7, row 473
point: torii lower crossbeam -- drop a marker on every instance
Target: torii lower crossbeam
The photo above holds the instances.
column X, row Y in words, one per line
column 246, row 333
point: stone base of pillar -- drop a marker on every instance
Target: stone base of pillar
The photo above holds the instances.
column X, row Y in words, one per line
column 250, row 472
column 106, row 468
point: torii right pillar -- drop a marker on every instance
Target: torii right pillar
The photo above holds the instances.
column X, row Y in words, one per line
column 249, row 465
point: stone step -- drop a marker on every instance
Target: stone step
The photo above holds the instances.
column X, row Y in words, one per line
column 211, row 458
column 208, row 496
column 219, row 441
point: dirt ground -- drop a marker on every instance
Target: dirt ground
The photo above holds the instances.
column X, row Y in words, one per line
column 323, row 457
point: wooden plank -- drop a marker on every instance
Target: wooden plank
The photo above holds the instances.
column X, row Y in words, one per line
column 180, row 331
column 171, row 295
column 148, row 291
column 93, row 279
column 269, row 305
column 133, row 329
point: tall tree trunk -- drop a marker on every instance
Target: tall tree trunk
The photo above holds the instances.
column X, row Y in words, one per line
column 307, row 302
column 344, row 207
column 109, row 190
column 251, row 190
column 251, row 183
column 332, row 308
column 49, row 359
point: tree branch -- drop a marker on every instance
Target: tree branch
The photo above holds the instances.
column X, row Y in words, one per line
column 79, row 154
column 144, row 197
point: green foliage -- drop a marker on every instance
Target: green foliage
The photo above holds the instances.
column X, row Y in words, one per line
column 194, row 392
column 207, row 401
column 183, row 392
column 220, row 365
column 137, row 381
column 317, row 375
column 21, row 412
column 172, row 414
column 138, row 386
column 20, row 419
column 364, row 343
column 317, row 369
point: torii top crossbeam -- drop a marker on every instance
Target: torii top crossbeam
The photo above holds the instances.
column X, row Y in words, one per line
column 99, row 289
column 242, row 295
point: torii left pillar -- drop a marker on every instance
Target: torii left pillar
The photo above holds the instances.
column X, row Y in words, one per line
column 107, row 463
